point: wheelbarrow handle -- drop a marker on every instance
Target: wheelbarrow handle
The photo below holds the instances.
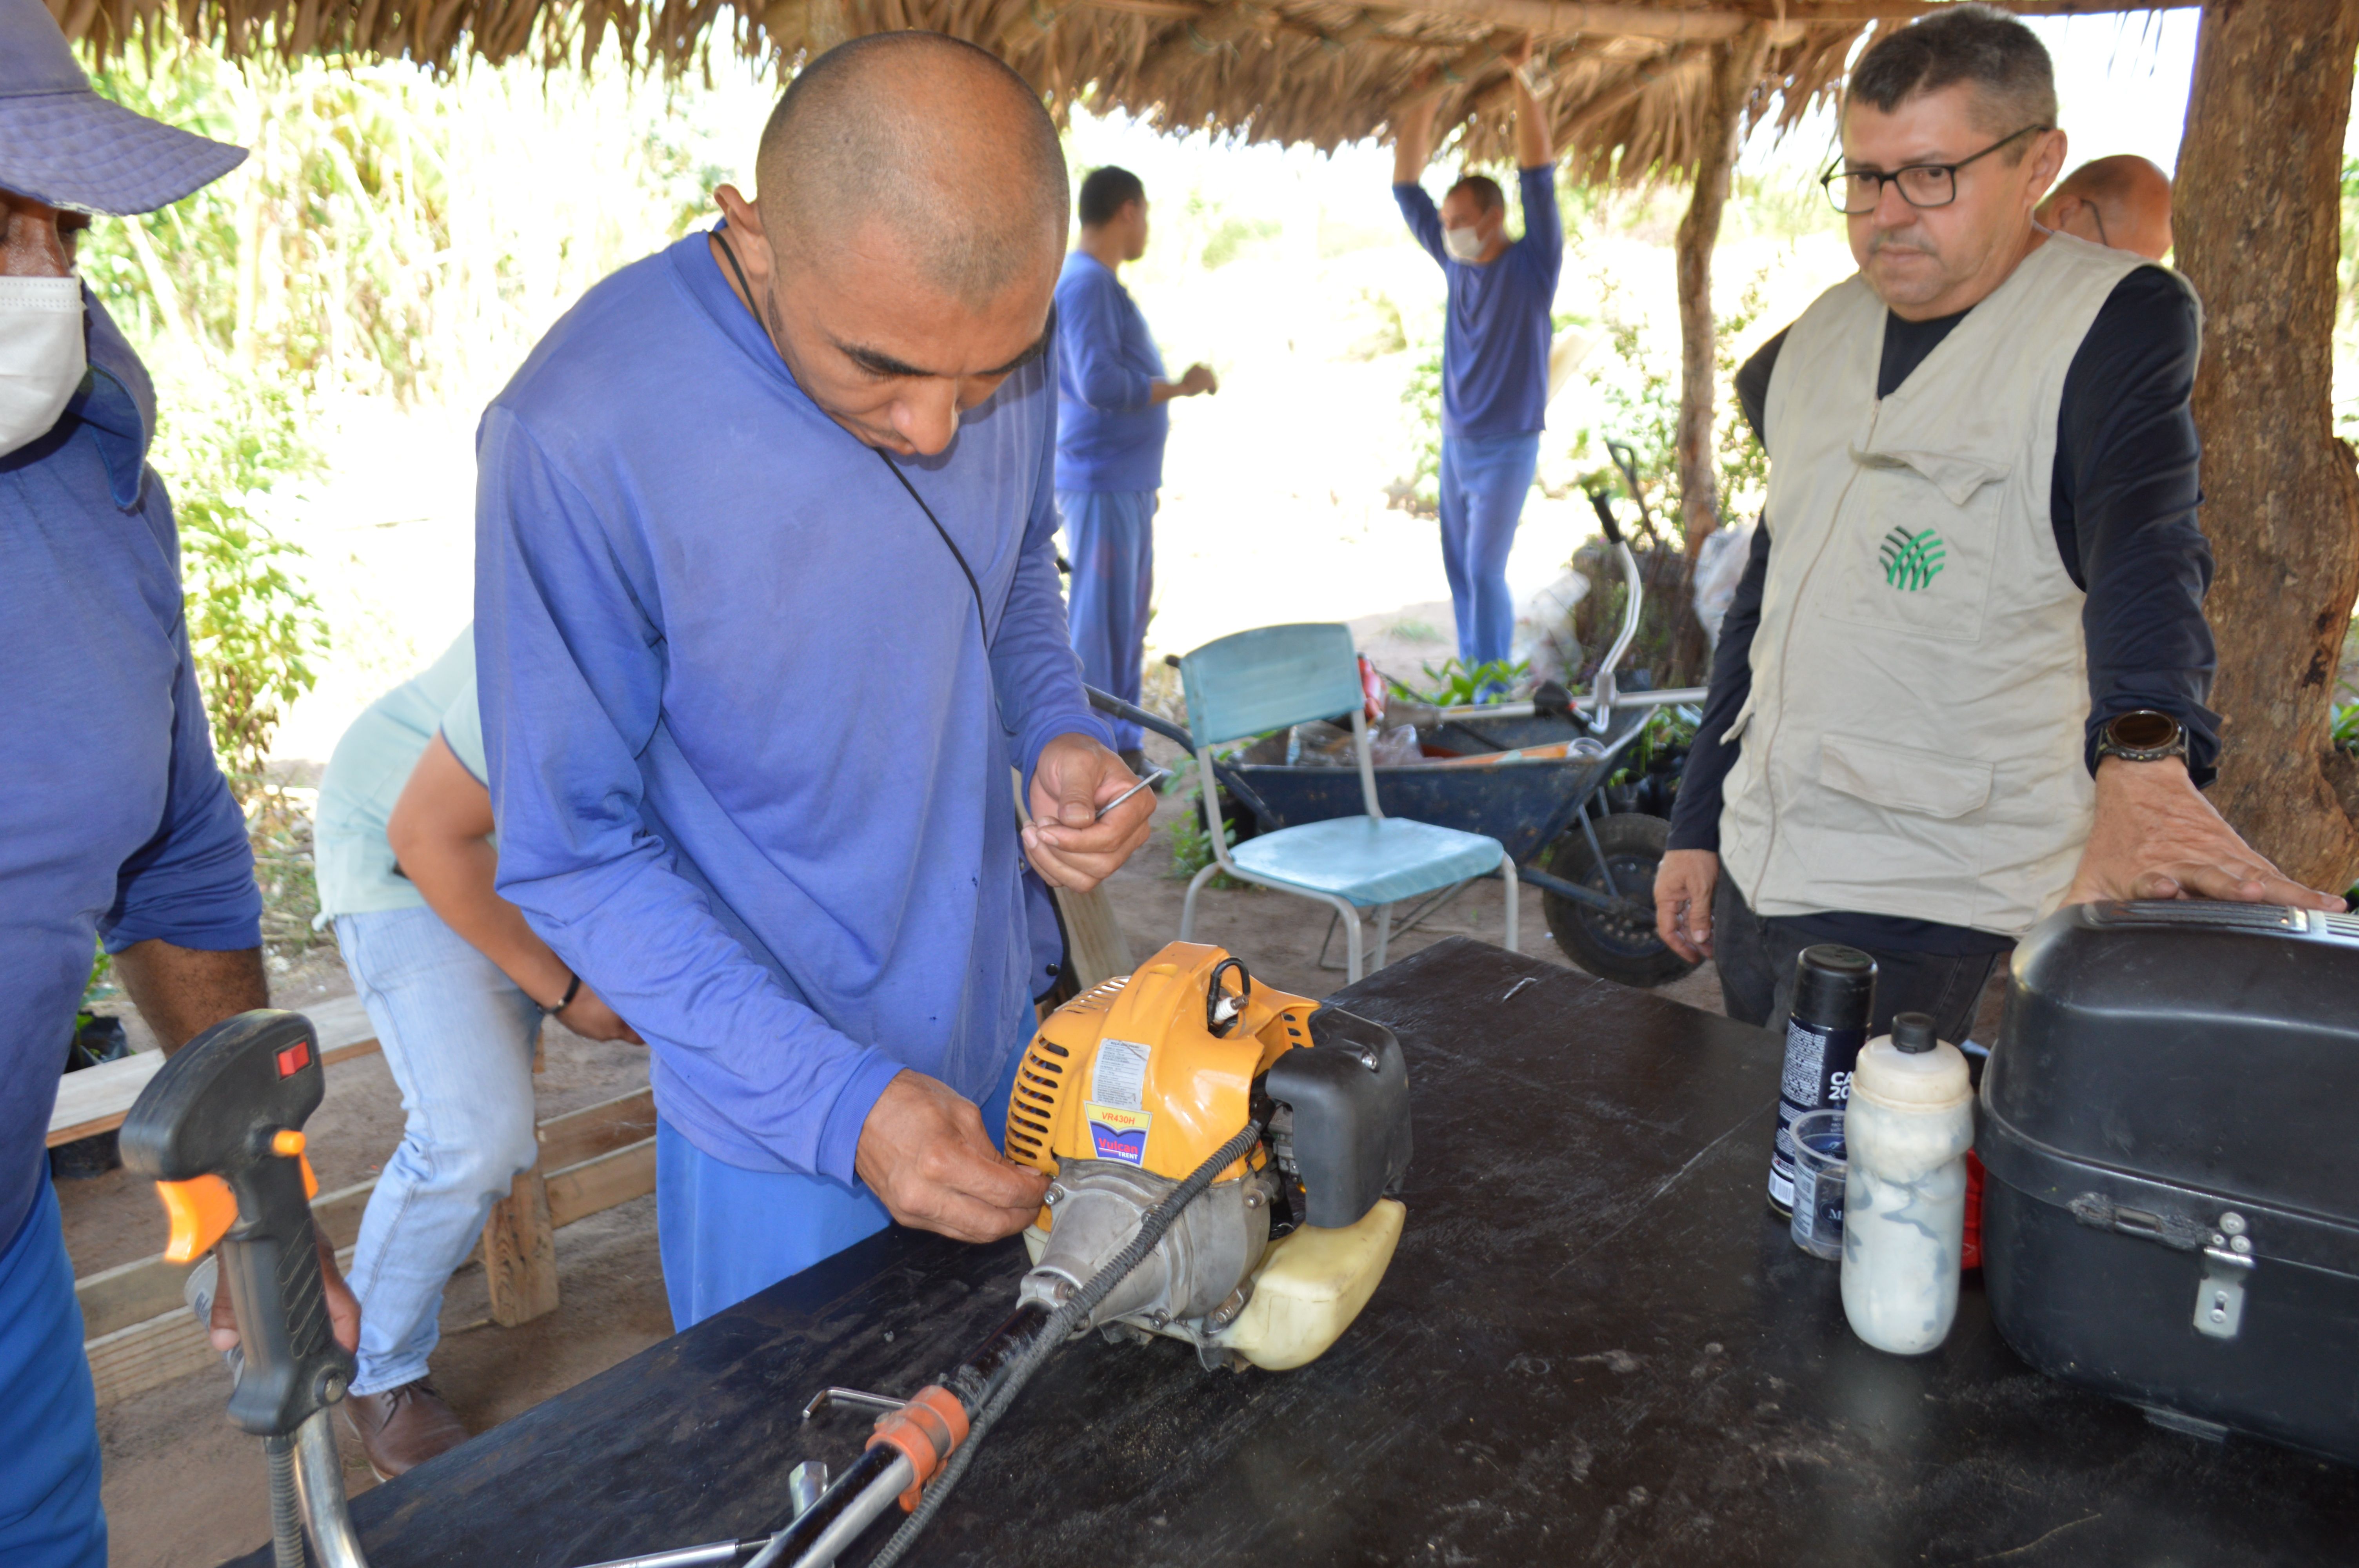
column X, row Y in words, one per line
column 1107, row 703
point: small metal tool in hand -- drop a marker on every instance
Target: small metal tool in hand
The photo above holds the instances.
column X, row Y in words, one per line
column 1153, row 778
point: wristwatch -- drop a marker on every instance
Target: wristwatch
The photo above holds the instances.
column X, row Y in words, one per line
column 2142, row 735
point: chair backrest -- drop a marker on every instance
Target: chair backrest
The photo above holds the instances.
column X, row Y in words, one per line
column 1269, row 677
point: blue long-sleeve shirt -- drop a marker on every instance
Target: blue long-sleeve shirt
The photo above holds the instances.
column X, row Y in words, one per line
column 748, row 751
column 1111, row 432
column 1495, row 339
column 118, row 824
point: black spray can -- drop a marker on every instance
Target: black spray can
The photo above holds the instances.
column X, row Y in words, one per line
column 1834, row 997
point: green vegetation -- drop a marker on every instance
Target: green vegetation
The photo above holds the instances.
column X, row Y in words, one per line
column 391, row 235
column 1641, row 396
column 1450, row 683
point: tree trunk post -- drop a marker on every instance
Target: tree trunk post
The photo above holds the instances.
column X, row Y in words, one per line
column 1735, row 71
column 2257, row 222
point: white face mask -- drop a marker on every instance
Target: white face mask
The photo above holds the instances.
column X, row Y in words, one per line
column 1463, row 244
column 42, row 356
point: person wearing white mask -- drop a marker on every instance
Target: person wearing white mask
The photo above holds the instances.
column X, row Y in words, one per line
column 119, row 827
column 1495, row 350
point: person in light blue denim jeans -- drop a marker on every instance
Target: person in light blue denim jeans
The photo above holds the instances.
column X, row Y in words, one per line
column 457, row 986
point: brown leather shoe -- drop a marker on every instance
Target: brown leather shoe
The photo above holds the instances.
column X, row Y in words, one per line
column 402, row 1428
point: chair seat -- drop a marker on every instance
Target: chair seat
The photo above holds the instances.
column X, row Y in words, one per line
column 1368, row 860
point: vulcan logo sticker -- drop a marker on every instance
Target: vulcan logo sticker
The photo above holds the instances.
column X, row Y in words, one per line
column 1118, row 1134
column 1912, row 561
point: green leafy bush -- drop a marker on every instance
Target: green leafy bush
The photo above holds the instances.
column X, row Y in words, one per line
column 1452, row 684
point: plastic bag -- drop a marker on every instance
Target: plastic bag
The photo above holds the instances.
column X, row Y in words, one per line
column 1720, row 566
column 1544, row 638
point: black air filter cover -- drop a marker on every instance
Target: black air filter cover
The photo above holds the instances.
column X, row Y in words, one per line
column 1349, row 1091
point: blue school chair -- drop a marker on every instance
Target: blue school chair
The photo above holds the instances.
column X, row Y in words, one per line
column 1274, row 676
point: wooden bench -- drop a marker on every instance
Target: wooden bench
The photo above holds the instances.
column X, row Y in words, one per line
column 138, row 1334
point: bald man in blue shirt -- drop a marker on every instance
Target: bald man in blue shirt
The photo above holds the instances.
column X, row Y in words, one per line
column 1494, row 352
column 766, row 608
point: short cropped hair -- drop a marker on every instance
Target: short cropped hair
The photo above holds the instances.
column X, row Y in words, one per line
column 1484, row 188
column 1105, row 192
column 1980, row 46
column 976, row 182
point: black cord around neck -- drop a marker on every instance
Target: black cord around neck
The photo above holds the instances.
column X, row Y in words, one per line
column 981, row 621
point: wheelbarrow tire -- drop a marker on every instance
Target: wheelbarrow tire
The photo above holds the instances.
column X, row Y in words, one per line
column 1608, row 947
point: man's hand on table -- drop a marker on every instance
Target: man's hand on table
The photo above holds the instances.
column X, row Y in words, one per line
column 1683, row 888
column 1065, row 841
column 924, row 1153
column 2157, row 836
column 343, row 1309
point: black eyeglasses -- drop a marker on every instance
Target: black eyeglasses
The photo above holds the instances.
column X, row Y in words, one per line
column 1857, row 191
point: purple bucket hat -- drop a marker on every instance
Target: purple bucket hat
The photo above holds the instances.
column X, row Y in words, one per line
column 63, row 145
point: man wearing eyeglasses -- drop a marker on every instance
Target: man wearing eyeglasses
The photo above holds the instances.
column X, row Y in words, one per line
column 1962, row 679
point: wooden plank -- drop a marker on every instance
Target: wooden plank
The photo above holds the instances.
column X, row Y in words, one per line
column 598, row 1185
column 134, row 1292
column 96, row 1099
column 147, row 1355
column 520, row 1252
column 596, row 1130
column 1094, row 943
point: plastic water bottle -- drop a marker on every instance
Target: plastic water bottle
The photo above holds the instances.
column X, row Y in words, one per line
column 1909, row 1126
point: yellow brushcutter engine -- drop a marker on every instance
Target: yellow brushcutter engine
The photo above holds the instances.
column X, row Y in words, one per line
column 1130, row 1088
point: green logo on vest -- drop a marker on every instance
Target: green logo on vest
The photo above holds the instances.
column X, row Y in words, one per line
column 1912, row 561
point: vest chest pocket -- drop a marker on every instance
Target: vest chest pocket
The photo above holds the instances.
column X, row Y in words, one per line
column 1915, row 544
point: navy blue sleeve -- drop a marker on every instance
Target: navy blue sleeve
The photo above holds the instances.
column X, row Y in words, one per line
column 1543, row 227
column 2124, row 496
column 1753, row 383
column 192, row 884
column 1424, row 218
column 1695, row 813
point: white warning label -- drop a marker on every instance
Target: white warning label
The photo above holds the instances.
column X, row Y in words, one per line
column 1120, row 1077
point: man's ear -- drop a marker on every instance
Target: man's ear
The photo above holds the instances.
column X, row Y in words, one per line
column 2047, row 162
column 750, row 245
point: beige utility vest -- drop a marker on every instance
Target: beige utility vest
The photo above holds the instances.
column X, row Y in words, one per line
column 1913, row 745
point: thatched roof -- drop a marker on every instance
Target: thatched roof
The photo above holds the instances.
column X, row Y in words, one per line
column 1626, row 82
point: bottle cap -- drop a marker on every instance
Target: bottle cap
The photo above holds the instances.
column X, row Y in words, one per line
column 1913, row 1033
column 1834, row 986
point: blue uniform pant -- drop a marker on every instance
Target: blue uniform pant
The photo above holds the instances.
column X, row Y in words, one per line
column 1484, row 481
column 727, row 1233
column 50, row 1516
column 458, row 1034
column 1110, row 539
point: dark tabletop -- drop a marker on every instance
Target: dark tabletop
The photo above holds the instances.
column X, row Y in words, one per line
column 1596, row 1345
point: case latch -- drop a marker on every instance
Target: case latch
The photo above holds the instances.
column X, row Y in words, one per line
column 2219, row 1298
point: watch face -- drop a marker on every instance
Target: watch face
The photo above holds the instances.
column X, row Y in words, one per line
column 2144, row 730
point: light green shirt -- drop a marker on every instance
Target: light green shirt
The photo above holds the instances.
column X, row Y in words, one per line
column 371, row 764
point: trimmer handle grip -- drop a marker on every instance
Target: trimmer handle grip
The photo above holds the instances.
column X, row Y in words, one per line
column 1603, row 507
column 219, row 1129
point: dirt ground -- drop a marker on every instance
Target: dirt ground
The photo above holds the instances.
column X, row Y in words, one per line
column 182, row 1488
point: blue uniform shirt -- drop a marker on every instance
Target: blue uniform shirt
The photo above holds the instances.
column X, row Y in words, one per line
column 1110, row 434
column 747, row 748
column 1495, row 341
column 119, row 824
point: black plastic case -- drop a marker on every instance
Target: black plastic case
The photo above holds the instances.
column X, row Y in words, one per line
column 2171, row 1126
